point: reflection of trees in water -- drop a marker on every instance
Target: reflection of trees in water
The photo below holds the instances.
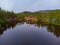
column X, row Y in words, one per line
column 38, row 23
column 55, row 30
column 8, row 25
column 50, row 28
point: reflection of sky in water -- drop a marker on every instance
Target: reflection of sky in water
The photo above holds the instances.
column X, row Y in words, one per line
column 29, row 5
column 26, row 34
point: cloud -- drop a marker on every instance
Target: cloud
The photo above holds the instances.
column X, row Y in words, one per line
column 23, row 5
column 29, row 5
column 3, row 4
column 47, row 4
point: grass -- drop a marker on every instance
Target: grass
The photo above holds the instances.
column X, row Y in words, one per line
column 53, row 14
column 6, row 16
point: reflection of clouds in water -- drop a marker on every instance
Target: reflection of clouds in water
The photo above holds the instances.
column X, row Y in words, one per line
column 27, row 34
column 29, row 5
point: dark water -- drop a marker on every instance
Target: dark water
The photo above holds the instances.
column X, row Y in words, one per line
column 26, row 33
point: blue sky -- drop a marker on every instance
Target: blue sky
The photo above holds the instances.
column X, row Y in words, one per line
column 29, row 5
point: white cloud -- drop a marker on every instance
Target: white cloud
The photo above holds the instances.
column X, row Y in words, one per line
column 45, row 4
column 29, row 5
column 3, row 4
column 6, row 4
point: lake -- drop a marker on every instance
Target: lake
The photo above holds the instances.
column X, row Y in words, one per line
column 29, row 33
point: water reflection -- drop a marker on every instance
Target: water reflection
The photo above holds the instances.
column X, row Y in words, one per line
column 55, row 30
column 50, row 28
column 9, row 25
column 29, row 33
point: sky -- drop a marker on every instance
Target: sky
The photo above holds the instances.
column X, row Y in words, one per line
column 29, row 5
